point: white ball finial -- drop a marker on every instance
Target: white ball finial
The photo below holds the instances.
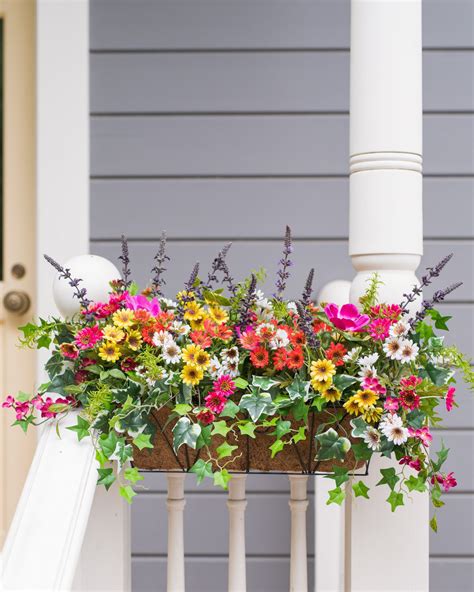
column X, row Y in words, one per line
column 96, row 274
column 336, row 291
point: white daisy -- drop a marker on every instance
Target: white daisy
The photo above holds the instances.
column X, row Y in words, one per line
column 408, row 352
column 171, row 352
column 141, row 371
column 168, row 303
column 180, row 328
column 160, row 337
column 281, row 339
column 367, row 372
column 368, row 360
column 396, row 434
column 214, row 368
column 372, row 438
column 392, row 348
column 389, row 420
column 230, row 367
column 263, row 326
column 399, row 329
column 232, row 354
column 291, row 307
column 352, row 355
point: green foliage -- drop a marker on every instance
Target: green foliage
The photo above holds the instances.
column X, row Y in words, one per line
column 459, row 361
column 247, row 429
column 201, row 469
column 389, row 477
column 298, row 389
column 340, row 475
column 220, row 428
column 225, row 450
column 370, row 297
column 344, row 381
column 106, row 477
column 277, row 447
column 98, row 400
column 127, row 493
column 360, row 489
column 81, row 428
column 395, row 499
column 185, row 432
column 257, row 404
column 331, row 445
column 222, row 478
column 142, row 441
column 336, row 496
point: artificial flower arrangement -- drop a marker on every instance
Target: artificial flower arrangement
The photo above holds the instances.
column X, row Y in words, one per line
column 224, row 379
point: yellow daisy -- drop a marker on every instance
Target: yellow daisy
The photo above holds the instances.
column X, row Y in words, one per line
column 198, row 324
column 321, row 385
column 134, row 340
column 190, row 354
column 202, row 359
column 365, row 398
column 192, row 311
column 322, row 370
column 351, row 406
column 109, row 351
column 218, row 314
column 331, row 394
column 184, row 294
column 123, row 318
column 112, row 333
column 372, row 414
column 192, row 375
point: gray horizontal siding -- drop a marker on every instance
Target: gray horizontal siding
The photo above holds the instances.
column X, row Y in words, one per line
column 255, row 24
column 455, row 533
column 265, row 82
column 206, row 513
column 247, row 255
column 460, row 464
column 263, row 145
column 451, row 573
column 209, row 574
column 326, row 201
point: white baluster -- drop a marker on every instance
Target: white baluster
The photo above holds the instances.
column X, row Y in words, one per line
column 386, row 236
column 236, row 504
column 175, row 504
column 329, row 520
column 298, row 560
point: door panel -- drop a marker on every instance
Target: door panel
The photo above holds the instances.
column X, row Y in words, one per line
column 17, row 366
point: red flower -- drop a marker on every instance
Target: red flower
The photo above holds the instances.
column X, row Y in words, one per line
column 386, row 311
column 259, row 357
column 409, row 399
column 205, row 416
column 147, row 334
column 215, row 402
column 249, row 339
column 128, row 365
column 335, row 352
column 319, row 326
column 279, row 358
column 295, row 359
column 142, row 316
column 201, row 338
column 297, row 338
column 410, row 381
column 223, row 332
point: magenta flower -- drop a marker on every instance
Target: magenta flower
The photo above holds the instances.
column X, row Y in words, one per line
column 215, row 402
column 140, row 302
column 422, row 434
column 346, row 318
column 374, row 385
column 391, row 404
column 379, row 329
column 450, row 398
column 9, row 402
column 86, row 338
column 21, row 410
column 414, row 463
column 447, row 482
column 224, row 385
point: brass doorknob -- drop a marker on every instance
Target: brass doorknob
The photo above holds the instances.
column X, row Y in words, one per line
column 16, row 302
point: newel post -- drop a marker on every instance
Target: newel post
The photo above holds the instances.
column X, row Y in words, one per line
column 175, row 504
column 386, row 236
column 236, row 504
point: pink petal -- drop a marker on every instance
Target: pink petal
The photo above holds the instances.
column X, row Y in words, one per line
column 349, row 311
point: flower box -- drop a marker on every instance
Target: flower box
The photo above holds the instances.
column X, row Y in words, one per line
column 252, row 454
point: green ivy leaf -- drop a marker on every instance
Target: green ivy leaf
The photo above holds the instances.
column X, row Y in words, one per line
column 127, row 493
column 360, row 489
column 122, row 452
column 300, row 410
column 336, row 496
column 116, row 373
column 319, row 403
column 440, row 321
column 331, row 445
column 220, row 428
column 54, row 365
column 298, row 388
column 185, row 432
column 201, row 469
column 436, row 496
column 389, row 477
column 81, row 428
column 215, row 298
column 300, row 435
column 361, row 451
column 277, row 447
column 204, row 437
column 230, row 410
column 438, row 376
column 434, row 524
column 257, row 404
column 131, row 474
column 143, row 441
column 263, row 382
column 415, row 418
column 442, row 455
column 182, row 408
column 339, row 475
column 282, row 428
column 225, row 450
column 108, row 443
column 343, row 381
column 395, row 499
column 359, row 426
column 415, row 483
column 240, row 383
column 247, row 429
column 222, row 478
column 106, row 478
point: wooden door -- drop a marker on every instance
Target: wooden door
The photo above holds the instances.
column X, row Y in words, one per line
column 17, row 237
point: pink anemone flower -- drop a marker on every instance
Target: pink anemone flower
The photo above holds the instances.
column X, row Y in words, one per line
column 346, row 318
column 140, row 302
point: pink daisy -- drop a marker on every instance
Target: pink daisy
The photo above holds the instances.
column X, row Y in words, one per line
column 450, row 398
column 224, row 385
column 88, row 337
column 379, row 329
column 391, row 404
column 215, row 402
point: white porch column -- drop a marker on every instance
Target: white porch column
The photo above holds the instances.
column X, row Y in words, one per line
column 236, row 504
column 175, row 504
column 329, row 521
column 386, row 236
column 298, row 506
